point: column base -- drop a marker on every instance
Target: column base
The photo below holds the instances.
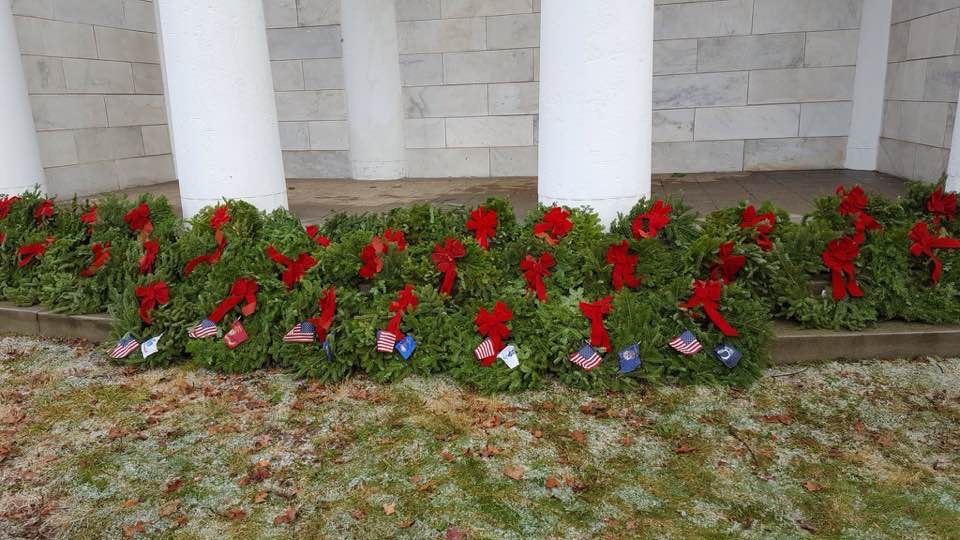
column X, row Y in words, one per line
column 379, row 170
column 607, row 209
column 861, row 159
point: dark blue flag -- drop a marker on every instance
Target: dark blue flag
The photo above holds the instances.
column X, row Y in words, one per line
column 629, row 358
column 406, row 346
column 727, row 354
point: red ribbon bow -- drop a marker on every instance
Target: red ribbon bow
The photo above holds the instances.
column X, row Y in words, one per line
column 534, row 270
column 854, row 203
column 555, row 225
column 483, row 223
column 328, row 308
column 295, row 269
column 138, row 220
column 396, row 237
column 150, row 250
column 406, row 302
column 727, row 264
column 445, row 259
column 243, row 289
column 88, row 218
column 44, row 210
column 624, row 265
column 101, row 254
column 314, row 233
column 942, row 206
column 27, row 253
column 152, row 295
column 6, row 204
column 862, row 223
column 596, row 312
column 492, row 324
column 370, row 257
column 762, row 224
column 707, row 294
column 656, row 218
column 219, row 218
column 924, row 243
column 839, row 257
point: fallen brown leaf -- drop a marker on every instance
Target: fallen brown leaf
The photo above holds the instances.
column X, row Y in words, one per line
column 684, row 448
column 130, row 503
column 131, row 530
column 454, row 533
column 406, row 524
column 173, row 485
column 784, row 419
column 488, row 451
column 169, row 508
column 447, row 456
column 289, row 515
column 358, row 514
column 389, row 509
column 513, row 471
column 259, row 497
column 578, row 436
column 810, row 485
column 551, row 482
column 859, row 426
column 236, row 514
column 626, row 440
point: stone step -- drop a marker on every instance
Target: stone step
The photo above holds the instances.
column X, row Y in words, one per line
column 792, row 344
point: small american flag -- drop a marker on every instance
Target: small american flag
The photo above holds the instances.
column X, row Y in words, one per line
column 686, row 343
column 386, row 340
column 586, row 357
column 484, row 350
column 301, row 333
column 124, row 347
column 205, row 329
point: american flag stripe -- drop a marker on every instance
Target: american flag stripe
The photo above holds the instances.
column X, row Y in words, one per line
column 484, row 350
column 124, row 348
column 299, row 335
column 586, row 363
column 686, row 343
column 386, row 341
column 205, row 329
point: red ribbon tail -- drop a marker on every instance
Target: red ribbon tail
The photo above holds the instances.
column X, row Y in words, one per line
column 448, row 278
column 852, row 286
column 937, row 270
column 541, row 289
column 719, row 321
column 836, row 281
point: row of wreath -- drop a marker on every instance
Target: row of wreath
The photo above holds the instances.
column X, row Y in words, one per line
column 564, row 281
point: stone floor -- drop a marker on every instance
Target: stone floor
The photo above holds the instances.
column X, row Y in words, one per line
column 313, row 200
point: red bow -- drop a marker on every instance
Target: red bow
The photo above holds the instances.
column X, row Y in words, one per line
column 88, row 218
column 554, row 226
column 762, row 224
column 624, row 266
column 406, row 302
column 138, row 220
column 101, row 254
column 44, row 210
column 493, row 325
column 727, row 264
column 219, row 218
column 596, row 312
column 396, row 238
column 243, row 289
column 6, row 204
column 152, row 295
column 328, row 308
column 707, row 294
column 862, row 223
column 656, row 218
column 150, row 250
column 942, row 206
column 295, row 269
column 314, row 233
column 534, row 270
column 27, row 253
column 924, row 243
column 839, row 257
column 483, row 223
column 445, row 259
column 853, row 201
column 370, row 256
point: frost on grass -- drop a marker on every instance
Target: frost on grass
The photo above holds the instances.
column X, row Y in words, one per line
column 91, row 449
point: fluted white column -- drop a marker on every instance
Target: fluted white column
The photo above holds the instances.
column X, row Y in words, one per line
column 866, row 121
column 19, row 150
column 371, row 73
column 596, row 87
column 953, row 166
column 220, row 103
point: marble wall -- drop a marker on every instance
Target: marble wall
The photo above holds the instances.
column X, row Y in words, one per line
column 923, row 80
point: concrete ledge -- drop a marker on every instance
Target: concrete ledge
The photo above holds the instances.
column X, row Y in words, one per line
column 792, row 344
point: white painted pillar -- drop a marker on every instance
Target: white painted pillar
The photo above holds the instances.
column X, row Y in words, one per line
column 19, row 150
column 953, row 166
column 596, row 107
column 866, row 121
column 371, row 72
column 220, row 103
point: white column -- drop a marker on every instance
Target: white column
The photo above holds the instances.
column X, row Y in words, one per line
column 596, row 86
column 953, row 166
column 866, row 121
column 371, row 73
column 19, row 151
column 220, row 103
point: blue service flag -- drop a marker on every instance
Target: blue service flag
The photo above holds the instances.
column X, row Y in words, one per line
column 406, row 346
column 728, row 355
column 328, row 349
column 629, row 358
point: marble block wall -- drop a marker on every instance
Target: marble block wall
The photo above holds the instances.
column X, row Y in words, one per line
column 923, row 79
column 93, row 74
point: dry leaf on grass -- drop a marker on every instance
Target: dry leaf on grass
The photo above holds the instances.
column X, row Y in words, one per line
column 514, row 471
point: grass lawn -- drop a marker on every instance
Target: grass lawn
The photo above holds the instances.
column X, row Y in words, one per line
column 89, row 449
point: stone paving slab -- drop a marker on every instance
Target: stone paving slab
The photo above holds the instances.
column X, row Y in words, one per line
column 792, row 343
column 314, row 200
